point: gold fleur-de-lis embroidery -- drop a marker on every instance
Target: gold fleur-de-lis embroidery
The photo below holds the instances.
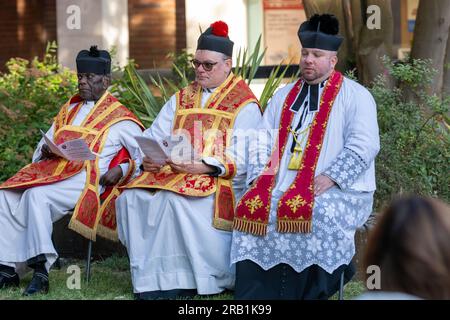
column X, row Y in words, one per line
column 296, row 203
column 254, row 204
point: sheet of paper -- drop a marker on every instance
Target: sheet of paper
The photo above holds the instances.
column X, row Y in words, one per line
column 152, row 149
column 176, row 148
column 73, row 150
column 77, row 150
column 179, row 148
column 53, row 147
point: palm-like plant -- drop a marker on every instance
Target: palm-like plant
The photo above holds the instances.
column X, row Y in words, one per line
column 247, row 64
column 273, row 82
column 147, row 106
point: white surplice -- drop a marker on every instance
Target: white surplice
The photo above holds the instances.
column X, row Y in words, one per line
column 26, row 217
column 170, row 238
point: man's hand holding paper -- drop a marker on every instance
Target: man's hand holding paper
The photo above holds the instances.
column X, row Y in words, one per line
column 150, row 166
column 73, row 150
column 192, row 168
column 46, row 153
column 175, row 151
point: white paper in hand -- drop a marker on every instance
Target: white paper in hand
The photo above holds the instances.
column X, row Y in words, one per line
column 77, row 150
column 175, row 148
column 73, row 150
column 53, row 147
column 181, row 150
column 152, row 149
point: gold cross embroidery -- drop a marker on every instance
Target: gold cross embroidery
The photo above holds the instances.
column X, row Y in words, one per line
column 254, row 204
column 296, row 203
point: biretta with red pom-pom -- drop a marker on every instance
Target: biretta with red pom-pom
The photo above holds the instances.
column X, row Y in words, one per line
column 215, row 38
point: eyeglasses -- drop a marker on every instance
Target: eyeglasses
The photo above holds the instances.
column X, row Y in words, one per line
column 207, row 66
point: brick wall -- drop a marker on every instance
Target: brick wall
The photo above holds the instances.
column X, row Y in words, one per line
column 25, row 28
column 181, row 24
column 156, row 28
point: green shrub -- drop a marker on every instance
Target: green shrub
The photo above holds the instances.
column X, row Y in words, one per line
column 415, row 145
column 181, row 66
column 31, row 93
column 133, row 92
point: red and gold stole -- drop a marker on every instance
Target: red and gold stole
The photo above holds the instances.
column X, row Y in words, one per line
column 94, row 130
column 294, row 212
column 209, row 130
column 107, row 226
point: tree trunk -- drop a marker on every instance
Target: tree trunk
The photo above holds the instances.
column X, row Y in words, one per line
column 446, row 71
column 431, row 41
column 373, row 44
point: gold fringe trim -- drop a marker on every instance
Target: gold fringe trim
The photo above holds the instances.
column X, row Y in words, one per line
column 253, row 227
column 80, row 228
column 107, row 233
column 289, row 226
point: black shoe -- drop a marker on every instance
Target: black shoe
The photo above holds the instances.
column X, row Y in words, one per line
column 8, row 280
column 166, row 294
column 39, row 284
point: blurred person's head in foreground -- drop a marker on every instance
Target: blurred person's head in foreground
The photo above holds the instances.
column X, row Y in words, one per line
column 411, row 245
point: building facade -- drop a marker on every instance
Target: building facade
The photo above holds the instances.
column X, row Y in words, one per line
column 148, row 30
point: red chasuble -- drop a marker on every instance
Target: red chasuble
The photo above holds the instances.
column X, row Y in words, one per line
column 209, row 130
column 94, row 130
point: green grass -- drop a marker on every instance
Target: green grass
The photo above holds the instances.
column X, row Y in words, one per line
column 352, row 290
column 111, row 280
